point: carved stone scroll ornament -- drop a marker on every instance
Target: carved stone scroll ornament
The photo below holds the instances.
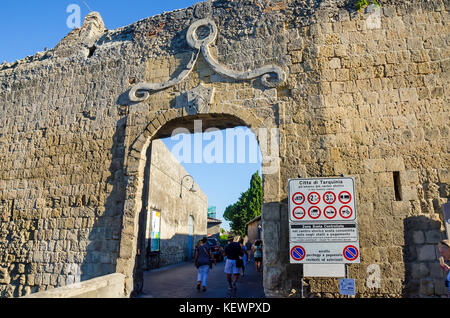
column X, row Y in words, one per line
column 271, row 75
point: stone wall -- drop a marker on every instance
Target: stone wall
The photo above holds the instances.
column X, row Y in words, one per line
column 365, row 94
column 108, row 286
column 377, row 108
column 253, row 231
column 166, row 183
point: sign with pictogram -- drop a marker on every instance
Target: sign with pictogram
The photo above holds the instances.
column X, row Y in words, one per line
column 346, row 212
column 329, row 197
column 323, row 226
column 314, row 212
column 345, row 197
column 330, row 212
column 351, row 253
column 313, row 198
column 320, row 253
column 298, row 198
column 299, row 213
column 298, row 253
column 317, row 195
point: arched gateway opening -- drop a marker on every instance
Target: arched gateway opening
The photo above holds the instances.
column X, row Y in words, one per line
column 132, row 255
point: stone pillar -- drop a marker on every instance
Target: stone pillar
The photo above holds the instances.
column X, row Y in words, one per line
column 274, row 268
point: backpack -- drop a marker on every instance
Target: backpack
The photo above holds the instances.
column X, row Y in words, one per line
column 258, row 251
column 203, row 256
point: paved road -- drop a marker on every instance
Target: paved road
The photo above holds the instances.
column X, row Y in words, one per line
column 180, row 281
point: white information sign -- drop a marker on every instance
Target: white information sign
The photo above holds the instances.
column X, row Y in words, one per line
column 324, row 270
column 323, row 226
column 322, row 199
column 330, row 253
column 324, row 232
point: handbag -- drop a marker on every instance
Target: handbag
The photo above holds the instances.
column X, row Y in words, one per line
column 239, row 262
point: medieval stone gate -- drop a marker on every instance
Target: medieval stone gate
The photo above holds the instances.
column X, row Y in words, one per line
column 361, row 93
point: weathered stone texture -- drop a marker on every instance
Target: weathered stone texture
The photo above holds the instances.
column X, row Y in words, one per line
column 366, row 96
column 167, row 183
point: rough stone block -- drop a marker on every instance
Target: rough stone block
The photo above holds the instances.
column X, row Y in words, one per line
column 444, row 175
column 375, row 165
column 272, row 277
column 426, row 253
column 409, row 193
column 419, row 270
column 433, row 237
column 418, row 237
column 427, row 287
column 271, row 232
column 408, row 94
column 335, row 63
column 394, row 164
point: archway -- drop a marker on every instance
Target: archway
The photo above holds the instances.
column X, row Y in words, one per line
column 130, row 260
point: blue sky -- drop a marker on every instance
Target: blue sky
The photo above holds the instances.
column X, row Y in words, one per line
column 224, row 182
column 30, row 26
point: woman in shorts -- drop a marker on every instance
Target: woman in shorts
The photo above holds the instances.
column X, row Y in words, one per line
column 258, row 254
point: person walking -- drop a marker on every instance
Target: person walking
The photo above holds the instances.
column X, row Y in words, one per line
column 232, row 269
column 249, row 246
column 258, row 253
column 444, row 250
column 203, row 259
column 245, row 257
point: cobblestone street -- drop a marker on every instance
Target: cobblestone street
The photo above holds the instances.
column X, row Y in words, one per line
column 179, row 281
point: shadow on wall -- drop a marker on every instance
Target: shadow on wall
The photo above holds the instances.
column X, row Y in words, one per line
column 104, row 237
column 172, row 251
column 423, row 275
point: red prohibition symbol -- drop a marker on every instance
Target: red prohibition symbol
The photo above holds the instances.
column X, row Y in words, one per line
column 313, row 198
column 330, row 212
column 298, row 198
column 345, row 197
column 351, row 253
column 299, row 213
column 345, row 212
column 329, row 197
column 298, row 253
column 314, row 212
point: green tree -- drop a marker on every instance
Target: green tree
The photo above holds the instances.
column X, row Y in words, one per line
column 247, row 207
column 255, row 196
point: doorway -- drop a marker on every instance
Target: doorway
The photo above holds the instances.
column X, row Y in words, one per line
column 137, row 164
column 190, row 244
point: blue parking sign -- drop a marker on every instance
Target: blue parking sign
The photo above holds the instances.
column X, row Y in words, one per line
column 347, row 287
